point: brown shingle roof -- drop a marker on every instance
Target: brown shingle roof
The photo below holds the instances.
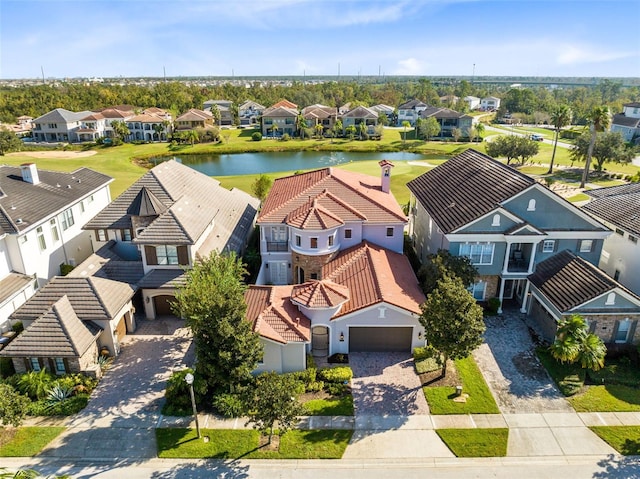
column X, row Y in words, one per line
column 194, row 114
column 568, row 281
column 619, row 205
column 466, row 187
column 374, row 274
column 346, row 195
column 274, row 317
column 280, row 112
column 92, row 298
column 56, row 333
column 320, row 294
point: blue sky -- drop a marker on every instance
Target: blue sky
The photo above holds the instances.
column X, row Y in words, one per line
column 292, row 37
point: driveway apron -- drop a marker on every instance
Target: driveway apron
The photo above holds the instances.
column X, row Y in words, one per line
column 129, row 396
column 507, row 359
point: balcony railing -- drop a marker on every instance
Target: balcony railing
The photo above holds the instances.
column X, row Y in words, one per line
column 277, row 246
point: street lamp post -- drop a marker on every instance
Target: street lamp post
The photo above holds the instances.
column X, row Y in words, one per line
column 189, row 380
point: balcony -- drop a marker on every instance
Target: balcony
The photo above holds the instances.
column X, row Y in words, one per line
column 518, row 262
column 277, row 246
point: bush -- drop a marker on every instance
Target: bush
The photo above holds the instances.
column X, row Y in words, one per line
column 257, row 136
column 285, row 137
column 177, row 395
column 6, row 368
column 69, row 406
column 229, row 405
column 338, row 358
column 17, row 327
column 341, row 374
column 65, row 269
column 35, row 384
column 311, row 362
column 427, row 352
column 336, row 389
column 493, row 304
column 304, row 377
column 315, row 386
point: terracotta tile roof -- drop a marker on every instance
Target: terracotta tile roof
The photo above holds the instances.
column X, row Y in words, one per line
column 618, row 205
column 115, row 113
column 466, row 187
column 442, row 113
column 194, row 114
column 58, row 332
column 192, row 202
column 319, row 111
column 147, row 118
column 280, row 112
column 568, row 281
column 346, row 195
column 154, row 110
column 285, row 104
column 374, row 274
column 313, row 216
column 123, row 108
column 92, row 298
column 320, row 294
column 94, row 117
column 56, row 191
column 274, row 317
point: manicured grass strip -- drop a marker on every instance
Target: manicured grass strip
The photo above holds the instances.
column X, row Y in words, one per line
column 235, row 444
column 480, row 400
column 476, row 442
column 29, row 441
column 624, row 439
column 330, row 407
column 569, row 377
column 578, row 197
column 608, row 398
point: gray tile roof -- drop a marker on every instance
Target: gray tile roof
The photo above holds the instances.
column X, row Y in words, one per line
column 624, row 120
column 22, row 205
column 361, row 112
column 192, row 201
column 163, row 278
column 568, row 281
column 443, row 113
column 12, row 284
column 62, row 115
column 108, row 264
column 58, row 332
column 92, row 298
column 618, row 205
column 466, row 187
column 411, row 105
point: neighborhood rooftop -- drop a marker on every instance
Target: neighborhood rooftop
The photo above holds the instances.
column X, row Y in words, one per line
column 618, row 205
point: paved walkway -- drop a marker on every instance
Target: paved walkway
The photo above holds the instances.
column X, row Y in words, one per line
column 508, row 362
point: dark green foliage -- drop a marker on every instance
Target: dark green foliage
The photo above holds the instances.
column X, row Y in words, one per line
column 513, row 147
column 69, row 406
column 340, row 374
column 409, row 250
column 65, row 269
column 17, row 327
column 35, row 384
column 261, row 186
column 178, row 398
column 212, row 301
column 608, row 147
column 13, row 406
column 256, row 136
column 6, row 368
column 444, row 263
column 425, row 353
column 338, row 358
column 336, row 389
column 493, row 304
column 229, row 405
column 9, row 142
column 569, row 377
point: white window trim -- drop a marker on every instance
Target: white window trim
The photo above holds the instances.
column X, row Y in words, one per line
column 166, row 256
column 584, row 243
column 470, row 256
column 627, row 323
column 552, row 243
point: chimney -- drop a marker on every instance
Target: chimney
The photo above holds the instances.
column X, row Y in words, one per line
column 385, row 175
column 30, row 173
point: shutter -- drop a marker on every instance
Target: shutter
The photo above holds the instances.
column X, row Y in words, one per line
column 52, row 366
column 150, row 253
column 27, row 364
column 632, row 331
column 183, row 255
column 66, row 365
column 592, row 327
column 615, row 331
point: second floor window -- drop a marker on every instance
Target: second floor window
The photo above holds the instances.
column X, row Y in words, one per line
column 41, row 241
column 389, row 232
column 126, row 235
column 347, row 234
column 586, row 246
column 478, row 253
column 67, row 219
column 314, row 243
column 548, row 246
column 101, row 235
column 298, row 240
column 330, row 241
column 54, row 230
column 278, row 234
column 167, row 254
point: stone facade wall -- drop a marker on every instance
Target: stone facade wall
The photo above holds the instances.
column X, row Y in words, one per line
column 310, row 264
column 74, row 365
column 606, row 326
column 492, row 285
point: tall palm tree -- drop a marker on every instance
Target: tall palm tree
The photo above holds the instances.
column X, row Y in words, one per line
column 479, row 129
column 560, row 117
column 598, row 121
column 405, row 125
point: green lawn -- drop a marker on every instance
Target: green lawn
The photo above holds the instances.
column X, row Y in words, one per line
column 569, row 377
column 480, row 400
column 476, row 442
column 342, row 406
column 579, row 197
column 609, row 398
column 624, row 439
column 236, row 444
column 29, row 441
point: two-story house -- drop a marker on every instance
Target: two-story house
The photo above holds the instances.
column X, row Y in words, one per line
column 618, row 207
column 410, row 111
column 194, row 118
column 58, row 125
column 359, row 115
column 490, row 103
column 386, row 110
column 628, row 122
column 153, row 124
column 224, row 109
column 322, row 115
column 503, row 220
column 168, row 218
column 249, row 113
column 91, row 128
column 473, row 102
column 448, row 120
column 279, row 119
column 41, row 218
column 337, row 236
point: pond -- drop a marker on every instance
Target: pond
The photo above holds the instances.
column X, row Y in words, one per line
column 270, row 162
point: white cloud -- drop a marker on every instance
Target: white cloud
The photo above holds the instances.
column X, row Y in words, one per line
column 410, row 66
column 576, row 54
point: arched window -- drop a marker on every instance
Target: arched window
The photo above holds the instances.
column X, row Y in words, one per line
column 611, row 299
column 496, row 220
column 532, row 205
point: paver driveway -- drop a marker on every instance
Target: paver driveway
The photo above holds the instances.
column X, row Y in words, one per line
column 507, row 359
column 385, row 384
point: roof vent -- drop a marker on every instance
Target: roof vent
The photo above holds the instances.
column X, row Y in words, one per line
column 13, row 207
column 19, row 221
column 69, row 187
column 58, row 185
column 30, row 173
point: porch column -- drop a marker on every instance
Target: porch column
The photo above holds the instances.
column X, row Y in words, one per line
column 534, row 248
column 525, row 295
column 501, row 294
column 507, row 255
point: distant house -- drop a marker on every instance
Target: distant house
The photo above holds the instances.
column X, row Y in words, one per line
column 410, row 111
column 618, row 207
column 628, row 122
column 153, row 124
column 41, row 218
column 565, row 284
column 388, row 111
column 283, row 115
column 361, row 114
column 58, row 125
column 224, row 108
column 320, row 115
column 21, row 128
column 473, row 103
column 93, row 127
column 490, row 103
column 448, row 120
column 250, row 112
column 194, row 118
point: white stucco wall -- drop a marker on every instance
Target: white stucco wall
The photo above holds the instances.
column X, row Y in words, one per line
column 621, row 254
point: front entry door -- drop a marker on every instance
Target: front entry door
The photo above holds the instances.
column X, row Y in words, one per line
column 278, row 272
column 320, row 341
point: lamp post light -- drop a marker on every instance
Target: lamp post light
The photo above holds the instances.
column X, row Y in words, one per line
column 189, row 380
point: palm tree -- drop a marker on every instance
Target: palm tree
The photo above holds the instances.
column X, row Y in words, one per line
column 192, row 136
column 599, row 121
column 120, row 129
column 560, row 117
column 274, row 130
column 319, row 130
column 405, row 125
column 574, row 343
column 479, row 129
column 158, row 128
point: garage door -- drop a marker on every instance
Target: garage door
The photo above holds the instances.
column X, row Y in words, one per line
column 121, row 329
column 380, row 339
column 162, row 305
